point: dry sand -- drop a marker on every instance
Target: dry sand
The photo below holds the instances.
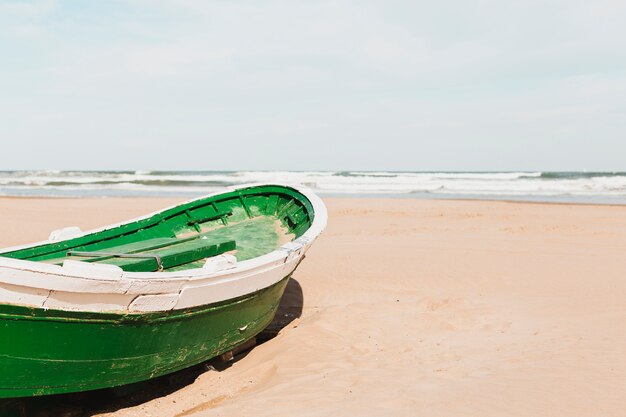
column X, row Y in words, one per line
column 419, row 308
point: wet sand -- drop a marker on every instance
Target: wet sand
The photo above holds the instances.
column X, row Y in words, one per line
column 416, row 308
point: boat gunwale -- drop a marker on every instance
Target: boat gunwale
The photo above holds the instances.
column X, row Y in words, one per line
column 318, row 224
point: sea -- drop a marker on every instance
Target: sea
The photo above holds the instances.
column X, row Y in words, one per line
column 579, row 187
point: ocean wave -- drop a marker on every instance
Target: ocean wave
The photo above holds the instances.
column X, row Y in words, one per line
column 142, row 182
column 579, row 175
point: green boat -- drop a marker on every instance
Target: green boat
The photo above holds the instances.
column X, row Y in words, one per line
column 153, row 295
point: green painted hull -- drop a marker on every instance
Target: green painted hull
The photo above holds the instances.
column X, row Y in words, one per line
column 50, row 352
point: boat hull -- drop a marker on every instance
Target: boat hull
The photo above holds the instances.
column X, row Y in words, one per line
column 52, row 351
column 154, row 294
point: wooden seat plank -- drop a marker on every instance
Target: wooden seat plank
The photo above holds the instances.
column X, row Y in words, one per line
column 134, row 247
column 170, row 256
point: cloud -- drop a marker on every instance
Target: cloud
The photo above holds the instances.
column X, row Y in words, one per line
column 395, row 84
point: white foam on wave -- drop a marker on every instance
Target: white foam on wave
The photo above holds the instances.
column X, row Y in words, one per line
column 356, row 182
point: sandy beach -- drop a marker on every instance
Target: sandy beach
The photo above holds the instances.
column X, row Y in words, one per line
column 416, row 308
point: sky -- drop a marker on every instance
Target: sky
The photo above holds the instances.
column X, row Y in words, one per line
column 313, row 85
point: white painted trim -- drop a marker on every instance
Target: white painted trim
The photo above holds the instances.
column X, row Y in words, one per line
column 79, row 286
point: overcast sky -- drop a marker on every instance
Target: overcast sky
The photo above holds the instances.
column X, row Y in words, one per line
column 347, row 85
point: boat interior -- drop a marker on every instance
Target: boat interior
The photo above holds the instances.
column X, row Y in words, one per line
column 246, row 223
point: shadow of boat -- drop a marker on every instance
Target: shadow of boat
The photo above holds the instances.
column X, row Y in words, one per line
column 109, row 400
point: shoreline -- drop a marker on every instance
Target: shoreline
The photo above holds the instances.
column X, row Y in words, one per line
column 390, row 197
column 570, row 187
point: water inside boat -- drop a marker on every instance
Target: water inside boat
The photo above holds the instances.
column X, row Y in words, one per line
column 246, row 223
